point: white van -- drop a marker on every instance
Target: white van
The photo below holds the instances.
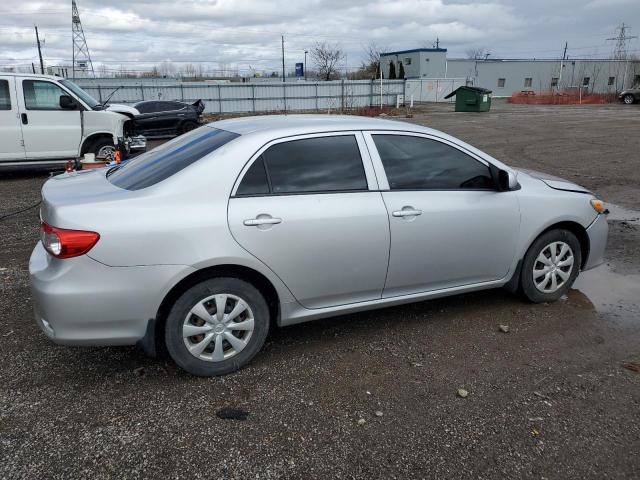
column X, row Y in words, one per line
column 47, row 119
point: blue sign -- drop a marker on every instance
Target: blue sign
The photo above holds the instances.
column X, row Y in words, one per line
column 299, row 69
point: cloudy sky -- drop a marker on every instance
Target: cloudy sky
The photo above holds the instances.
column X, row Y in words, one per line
column 245, row 34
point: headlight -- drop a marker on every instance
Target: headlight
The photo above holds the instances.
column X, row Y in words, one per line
column 598, row 205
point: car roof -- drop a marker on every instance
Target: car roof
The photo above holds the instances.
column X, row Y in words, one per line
column 301, row 123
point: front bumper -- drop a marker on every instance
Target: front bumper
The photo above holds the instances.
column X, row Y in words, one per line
column 80, row 301
column 598, row 232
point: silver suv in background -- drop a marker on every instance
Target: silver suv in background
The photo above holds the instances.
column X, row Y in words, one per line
column 204, row 241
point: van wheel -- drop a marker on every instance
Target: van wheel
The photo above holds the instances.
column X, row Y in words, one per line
column 217, row 326
column 103, row 149
column 550, row 266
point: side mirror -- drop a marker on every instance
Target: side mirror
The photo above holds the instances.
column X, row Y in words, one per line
column 67, row 103
column 504, row 180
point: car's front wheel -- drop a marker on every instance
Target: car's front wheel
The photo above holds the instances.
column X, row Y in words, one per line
column 217, row 326
column 550, row 266
column 629, row 99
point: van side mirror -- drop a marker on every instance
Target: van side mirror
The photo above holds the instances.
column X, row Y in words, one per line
column 67, row 103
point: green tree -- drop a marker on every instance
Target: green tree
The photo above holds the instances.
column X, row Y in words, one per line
column 392, row 71
column 401, row 71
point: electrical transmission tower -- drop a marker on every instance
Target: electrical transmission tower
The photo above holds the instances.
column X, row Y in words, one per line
column 81, row 58
column 620, row 50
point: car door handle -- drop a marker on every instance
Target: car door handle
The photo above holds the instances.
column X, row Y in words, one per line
column 25, row 119
column 407, row 212
column 254, row 222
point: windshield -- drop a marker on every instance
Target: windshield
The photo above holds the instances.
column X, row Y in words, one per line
column 84, row 96
column 163, row 161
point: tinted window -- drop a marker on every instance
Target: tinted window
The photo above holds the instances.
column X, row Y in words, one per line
column 414, row 163
column 148, row 107
column 174, row 106
column 316, row 165
column 5, row 97
column 39, row 95
column 255, row 180
column 162, row 162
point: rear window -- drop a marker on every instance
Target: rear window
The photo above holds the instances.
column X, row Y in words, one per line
column 167, row 159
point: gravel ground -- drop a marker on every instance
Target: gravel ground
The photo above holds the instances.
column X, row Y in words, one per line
column 371, row 395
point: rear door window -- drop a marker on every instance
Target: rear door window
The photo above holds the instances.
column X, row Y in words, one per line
column 321, row 164
column 5, row 95
column 416, row 163
column 166, row 160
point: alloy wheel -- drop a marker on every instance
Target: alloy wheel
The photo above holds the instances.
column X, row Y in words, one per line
column 218, row 327
column 106, row 152
column 552, row 267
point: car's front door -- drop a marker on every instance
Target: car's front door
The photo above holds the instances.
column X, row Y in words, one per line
column 48, row 130
column 308, row 208
column 449, row 225
column 11, row 144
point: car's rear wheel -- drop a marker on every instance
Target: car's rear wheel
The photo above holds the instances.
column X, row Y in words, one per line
column 217, row 326
column 550, row 266
column 187, row 126
column 629, row 99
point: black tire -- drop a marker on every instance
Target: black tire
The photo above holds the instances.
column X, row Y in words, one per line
column 187, row 126
column 178, row 314
column 529, row 288
column 99, row 144
column 629, row 99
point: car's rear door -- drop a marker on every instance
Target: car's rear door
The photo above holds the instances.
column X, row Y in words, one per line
column 308, row 208
column 450, row 227
column 11, row 144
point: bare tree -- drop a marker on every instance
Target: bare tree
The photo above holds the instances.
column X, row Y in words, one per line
column 326, row 57
column 478, row 53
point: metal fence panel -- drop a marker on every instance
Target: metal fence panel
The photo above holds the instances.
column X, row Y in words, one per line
column 432, row 89
column 257, row 97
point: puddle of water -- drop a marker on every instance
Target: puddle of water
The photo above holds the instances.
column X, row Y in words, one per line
column 622, row 214
column 610, row 291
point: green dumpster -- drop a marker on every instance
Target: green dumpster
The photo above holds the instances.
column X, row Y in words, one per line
column 471, row 99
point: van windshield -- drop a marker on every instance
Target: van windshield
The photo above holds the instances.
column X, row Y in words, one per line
column 167, row 159
column 84, row 96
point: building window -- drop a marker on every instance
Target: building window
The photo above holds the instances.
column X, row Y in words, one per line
column 501, row 82
column 585, row 81
column 611, row 81
column 554, row 82
column 528, row 82
column 407, row 60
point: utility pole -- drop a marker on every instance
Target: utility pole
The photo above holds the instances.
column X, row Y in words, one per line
column 39, row 51
column 564, row 56
column 283, row 78
column 620, row 51
column 437, row 44
column 305, row 65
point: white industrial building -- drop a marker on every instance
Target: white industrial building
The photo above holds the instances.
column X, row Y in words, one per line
column 507, row 76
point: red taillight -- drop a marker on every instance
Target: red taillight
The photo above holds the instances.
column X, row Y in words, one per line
column 62, row 243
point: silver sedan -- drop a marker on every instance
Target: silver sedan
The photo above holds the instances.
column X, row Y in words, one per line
column 203, row 243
